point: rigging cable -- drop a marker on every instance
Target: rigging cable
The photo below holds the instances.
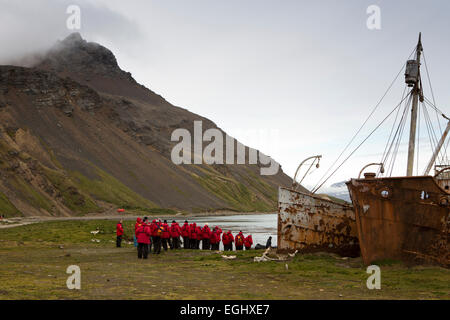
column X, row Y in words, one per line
column 390, row 135
column 370, row 134
column 362, row 126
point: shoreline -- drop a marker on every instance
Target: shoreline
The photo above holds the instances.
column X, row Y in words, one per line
column 22, row 221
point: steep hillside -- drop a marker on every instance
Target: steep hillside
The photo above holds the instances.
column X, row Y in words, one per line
column 79, row 135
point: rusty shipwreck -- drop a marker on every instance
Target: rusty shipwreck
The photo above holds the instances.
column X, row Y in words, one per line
column 308, row 222
column 407, row 218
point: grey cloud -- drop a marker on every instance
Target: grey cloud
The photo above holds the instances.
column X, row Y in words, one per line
column 31, row 27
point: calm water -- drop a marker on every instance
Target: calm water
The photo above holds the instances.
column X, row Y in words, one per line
column 260, row 226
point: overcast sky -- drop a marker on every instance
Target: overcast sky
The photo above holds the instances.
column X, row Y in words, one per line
column 291, row 78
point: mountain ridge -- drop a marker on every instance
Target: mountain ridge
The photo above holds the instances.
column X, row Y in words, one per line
column 80, row 136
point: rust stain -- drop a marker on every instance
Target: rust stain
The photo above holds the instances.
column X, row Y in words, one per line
column 310, row 223
column 405, row 218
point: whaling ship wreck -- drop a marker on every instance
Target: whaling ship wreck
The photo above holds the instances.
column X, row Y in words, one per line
column 406, row 218
column 400, row 218
column 308, row 222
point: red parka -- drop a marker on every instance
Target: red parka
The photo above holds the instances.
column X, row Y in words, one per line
column 137, row 225
column 165, row 231
column 227, row 238
column 215, row 237
column 206, row 232
column 198, row 230
column 143, row 234
column 185, row 230
column 119, row 229
column 239, row 239
column 175, row 230
column 248, row 241
column 193, row 231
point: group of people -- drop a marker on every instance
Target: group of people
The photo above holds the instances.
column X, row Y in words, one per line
column 159, row 234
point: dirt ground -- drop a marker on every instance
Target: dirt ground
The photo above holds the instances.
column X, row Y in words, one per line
column 34, row 259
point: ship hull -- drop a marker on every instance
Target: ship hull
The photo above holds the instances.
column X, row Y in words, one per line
column 405, row 218
column 309, row 223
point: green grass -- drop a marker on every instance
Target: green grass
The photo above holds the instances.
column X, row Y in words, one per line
column 72, row 198
column 35, row 258
column 30, row 194
column 7, row 209
column 235, row 193
column 109, row 189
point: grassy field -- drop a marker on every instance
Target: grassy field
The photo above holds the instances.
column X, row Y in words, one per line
column 34, row 259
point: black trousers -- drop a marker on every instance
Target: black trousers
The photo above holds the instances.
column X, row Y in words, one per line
column 142, row 250
column 186, row 243
column 228, row 247
column 164, row 242
column 206, row 244
column 248, row 248
column 215, row 246
column 119, row 241
column 197, row 244
column 239, row 247
column 156, row 245
column 175, row 243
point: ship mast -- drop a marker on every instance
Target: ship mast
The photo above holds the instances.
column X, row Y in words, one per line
column 414, row 66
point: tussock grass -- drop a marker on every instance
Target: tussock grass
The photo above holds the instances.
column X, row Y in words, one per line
column 35, row 258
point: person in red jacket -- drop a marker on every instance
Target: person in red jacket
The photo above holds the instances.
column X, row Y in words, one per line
column 165, row 235
column 193, row 235
column 119, row 233
column 198, row 230
column 143, row 234
column 136, row 226
column 206, row 237
column 185, row 234
column 239, row 241
column 231, row 239
column 156, row 236
column 248, row 241
column 175, row 233
column 228, row 240
column 215, row 239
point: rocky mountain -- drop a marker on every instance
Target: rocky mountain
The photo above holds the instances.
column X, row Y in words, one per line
column 80, row 135
column 339, row 190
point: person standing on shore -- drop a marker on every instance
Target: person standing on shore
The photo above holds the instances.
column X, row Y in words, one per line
column 156, row 236
column 269, row 242
column 198, row 231
column 119, row 234
column 215, row 239
column 143, row 234
column 231, row 240
column 227, row 240
column 248, row 241
column 193, row 235
column 239, row 241
column 165, row 235
column 175, row 232
column 185, row 234
column 136, row 226
column 206, row 236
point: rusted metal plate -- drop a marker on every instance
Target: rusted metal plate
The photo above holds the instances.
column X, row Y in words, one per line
column 310, row 223
column 405, row 218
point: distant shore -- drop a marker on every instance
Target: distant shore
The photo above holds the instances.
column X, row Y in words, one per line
column 21, row 221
